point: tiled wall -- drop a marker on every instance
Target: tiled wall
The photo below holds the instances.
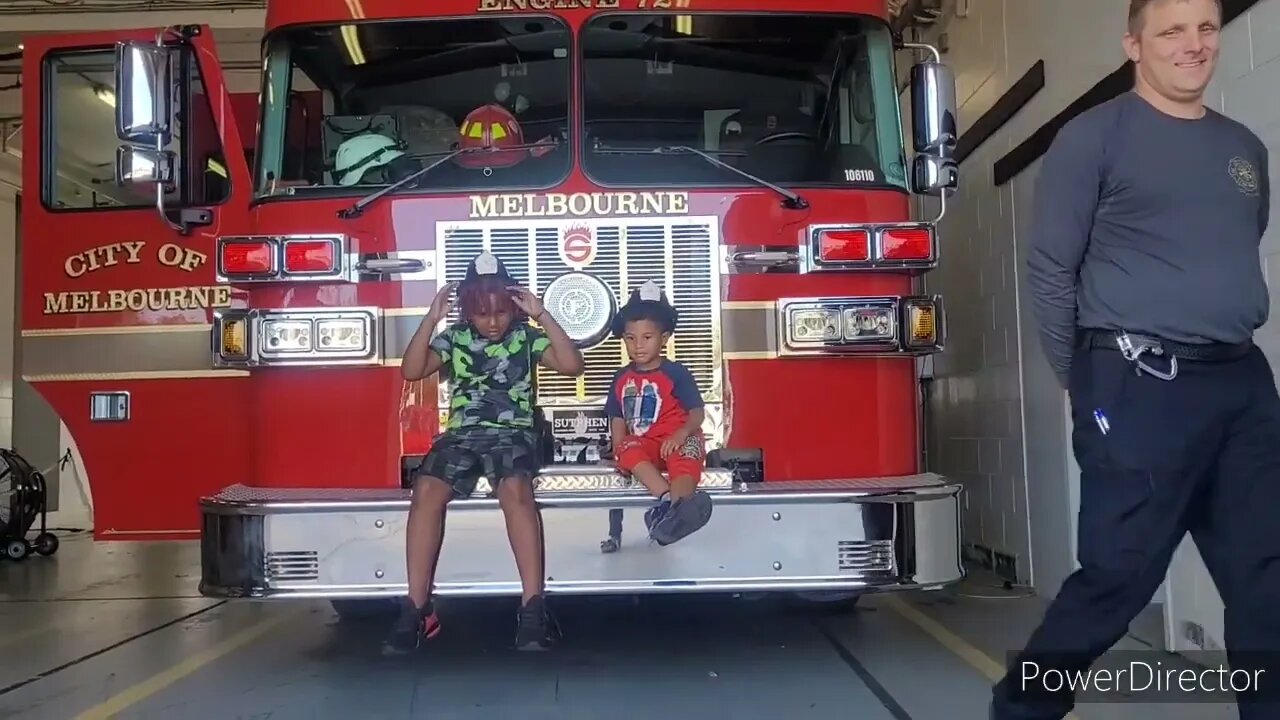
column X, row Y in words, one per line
column 999, row 418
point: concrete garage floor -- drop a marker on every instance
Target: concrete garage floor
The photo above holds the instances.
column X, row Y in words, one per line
column 117, row 630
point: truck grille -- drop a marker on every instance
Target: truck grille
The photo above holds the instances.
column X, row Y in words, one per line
column 660, row 249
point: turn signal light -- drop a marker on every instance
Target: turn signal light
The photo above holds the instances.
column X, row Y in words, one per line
column 247, row 258
column 310, row 256
column 906, row 244
column 922, row 323
column 842, row 246
column 235, row 338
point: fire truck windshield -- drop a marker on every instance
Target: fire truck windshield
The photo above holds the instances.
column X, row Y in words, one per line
column 351, row 108
column 795, row 100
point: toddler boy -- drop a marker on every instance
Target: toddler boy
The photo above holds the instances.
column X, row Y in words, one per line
column 655, row 416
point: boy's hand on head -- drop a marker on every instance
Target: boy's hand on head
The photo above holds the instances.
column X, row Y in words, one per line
column 673, row 443
column 443, row 302
column 528, row 302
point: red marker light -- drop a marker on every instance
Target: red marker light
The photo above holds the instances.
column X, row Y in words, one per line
column 247, row 258
column 849, row 245
column 907, row 244
column 310, row 256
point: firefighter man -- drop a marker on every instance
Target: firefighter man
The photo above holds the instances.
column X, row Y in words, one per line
column 1147, row 286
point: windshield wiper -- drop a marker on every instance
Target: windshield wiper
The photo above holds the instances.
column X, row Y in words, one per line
column 792, row 202
column 357, row 209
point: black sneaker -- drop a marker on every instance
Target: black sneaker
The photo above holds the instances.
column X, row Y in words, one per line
column 534, row 626
column 654, row 515
column 685, row 517
column 410, row 629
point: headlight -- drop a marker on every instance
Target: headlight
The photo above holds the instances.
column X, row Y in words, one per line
column 308, row 336
column 343, row 334
column 582, row 304
column 841, row 325
column 815, row 325
column 286, row 335
column 841, row 322
column 869, row 323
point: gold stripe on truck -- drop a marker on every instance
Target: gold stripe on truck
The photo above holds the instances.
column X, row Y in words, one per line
column 156, row 352
column 748, row 330
column 144, row 352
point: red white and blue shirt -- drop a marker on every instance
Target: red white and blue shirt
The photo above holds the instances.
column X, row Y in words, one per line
column 653, row 403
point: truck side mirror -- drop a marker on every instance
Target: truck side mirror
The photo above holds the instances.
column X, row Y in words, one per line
column 145, row 121
column 934, row 125
column 140, row 166
column 931, row 175
column 144, row 100
column 933, row 108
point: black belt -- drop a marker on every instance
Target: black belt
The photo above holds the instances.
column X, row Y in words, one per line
column 1207, row 352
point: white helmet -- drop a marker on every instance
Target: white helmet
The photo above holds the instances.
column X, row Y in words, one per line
column 362, row 153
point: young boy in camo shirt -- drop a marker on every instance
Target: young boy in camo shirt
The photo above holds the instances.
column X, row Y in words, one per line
column 489, row 358
column 655, row 413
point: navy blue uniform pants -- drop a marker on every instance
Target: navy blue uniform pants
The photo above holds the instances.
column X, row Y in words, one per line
column 1198, row 454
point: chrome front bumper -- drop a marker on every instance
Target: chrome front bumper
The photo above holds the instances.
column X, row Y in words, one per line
column 867, row 534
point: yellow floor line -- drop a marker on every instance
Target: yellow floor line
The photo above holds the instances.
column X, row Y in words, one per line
column 152, row 685
column 958, row 646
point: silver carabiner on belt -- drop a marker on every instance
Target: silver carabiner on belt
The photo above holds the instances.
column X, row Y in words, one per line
column 1133, row 353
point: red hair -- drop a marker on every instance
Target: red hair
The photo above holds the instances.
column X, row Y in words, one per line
column 485, row 295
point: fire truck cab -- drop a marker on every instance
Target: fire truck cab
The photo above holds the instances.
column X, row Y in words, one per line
column 223, row 338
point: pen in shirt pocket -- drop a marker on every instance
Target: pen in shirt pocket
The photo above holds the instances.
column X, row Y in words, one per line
column 1101, row 419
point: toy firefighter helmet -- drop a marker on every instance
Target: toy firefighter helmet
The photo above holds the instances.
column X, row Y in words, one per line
column 487, row 264
column 491, row 128
column 648, row 297
column 358, row 155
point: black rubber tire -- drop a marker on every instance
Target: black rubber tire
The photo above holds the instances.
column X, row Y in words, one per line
column 366, row 608
column 17, row 549
column 46, row 544
column 833, row 602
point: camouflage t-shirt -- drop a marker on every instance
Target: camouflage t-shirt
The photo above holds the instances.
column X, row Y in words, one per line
column 490, row 382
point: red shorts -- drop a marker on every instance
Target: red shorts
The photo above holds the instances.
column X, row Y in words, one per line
column 684, row 461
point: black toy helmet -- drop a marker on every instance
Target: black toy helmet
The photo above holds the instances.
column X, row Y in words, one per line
column 487, row 264
column 487, row 267
column 648, row 296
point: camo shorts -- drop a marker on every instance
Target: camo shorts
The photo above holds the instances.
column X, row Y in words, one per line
column 461, row 457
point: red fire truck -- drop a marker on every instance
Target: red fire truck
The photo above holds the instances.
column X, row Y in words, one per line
column 219, row 320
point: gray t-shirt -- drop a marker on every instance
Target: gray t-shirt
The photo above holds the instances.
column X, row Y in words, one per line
column 1149, row 223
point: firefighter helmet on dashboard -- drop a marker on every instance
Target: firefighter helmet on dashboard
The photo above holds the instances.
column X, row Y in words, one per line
column 491, row 128
column 362, row 153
